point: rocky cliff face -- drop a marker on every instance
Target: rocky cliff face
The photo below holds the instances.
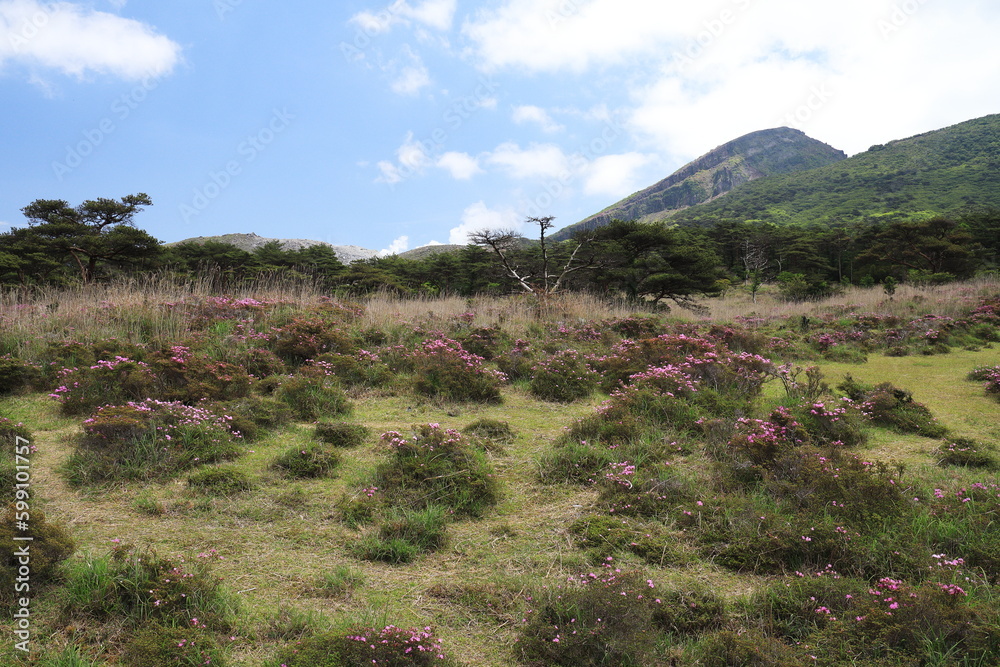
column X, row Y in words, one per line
column 755, row 155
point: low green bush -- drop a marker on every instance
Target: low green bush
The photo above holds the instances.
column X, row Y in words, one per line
column 563, row 377
column 362, row 646
column 361, row 369
column 443, row 369
column 222, row 481
column 403, row 535
column 312, row 398
column 341, row 434
column 603, row 618
column 309, row 461
column 254, row 416
column 50, row 546
column 149, row 440
column 967, row 453
column 308, row 336
column 492, row 429
column 138, row 586
column 437, row 466
column 726, row 648
column 887, row 405
column 16, row 375
column 157, row 645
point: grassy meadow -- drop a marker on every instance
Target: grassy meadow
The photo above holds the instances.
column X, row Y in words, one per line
column 277, row 477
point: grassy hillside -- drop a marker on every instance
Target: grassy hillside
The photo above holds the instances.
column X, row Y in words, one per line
column 929, row 174
column 753, row 156
column 644, row 489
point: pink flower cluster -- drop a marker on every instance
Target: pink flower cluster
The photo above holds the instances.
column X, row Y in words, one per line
column 398, row 639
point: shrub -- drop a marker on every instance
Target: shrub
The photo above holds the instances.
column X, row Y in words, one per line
column 709, row 364
column 16, row 374
column 405, row 534
column 838, row 424
column 563, row 377
column 982, row 373
column 341, row 434
column 486, row 342
column 517, row 362
column 340, row 582
column 444, row 369
column 574, row 460
column 605, row 618
column 157, row 645
column 494, row 432
column 437, row 466
column 726, row 648
column 149, row 440
column 314, row 460
column 788, row 608
column 362, row 369
column 106, row 382
column 689, row 610
column 760, row 441
column 992, row 385
column 312, row 398
column 253, row 416
column 220, row 481
column 51, row 545
column 309, row 336
column 189, row 377
column 967, row 454
column 635, row 326
column 259, row 362
column 896, row 617
column 138, row 585
column 894, row 408
column 9, row 444
column 360, row 647
column 605, row 536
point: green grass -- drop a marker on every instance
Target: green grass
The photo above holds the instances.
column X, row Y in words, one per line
column 291, row 564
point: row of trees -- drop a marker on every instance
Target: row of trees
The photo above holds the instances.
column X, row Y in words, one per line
column 98, row 240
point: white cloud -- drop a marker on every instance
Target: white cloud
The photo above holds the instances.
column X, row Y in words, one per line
column 536, row 161
column 699, row 74
column 410, row 75
column 411, row 159
column 389, row 173
column 76, row 40
column 550, row 35
column 479, row 216
column 462, row 166
column 437, row 14
column 401, row 244
column 532, row 114
column 615, row 176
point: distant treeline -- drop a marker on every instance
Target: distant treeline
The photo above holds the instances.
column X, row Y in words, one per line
column 98, row 241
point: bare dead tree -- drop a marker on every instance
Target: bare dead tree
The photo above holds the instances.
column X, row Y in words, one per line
column 550, row 281
column 755, row 257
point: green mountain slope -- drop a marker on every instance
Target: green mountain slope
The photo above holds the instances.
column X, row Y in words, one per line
column 930, row 174
column 753, row 156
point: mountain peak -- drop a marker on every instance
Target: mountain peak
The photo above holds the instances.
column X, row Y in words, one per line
column 762, row 153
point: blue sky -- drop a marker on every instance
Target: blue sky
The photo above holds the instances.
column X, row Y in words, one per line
column 394, row 125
